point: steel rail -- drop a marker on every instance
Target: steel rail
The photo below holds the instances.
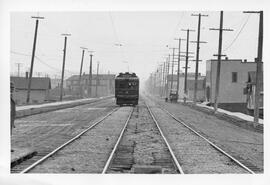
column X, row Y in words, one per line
column 167, row 143
column 212, row 144
column 65, row 144
column 116, row 144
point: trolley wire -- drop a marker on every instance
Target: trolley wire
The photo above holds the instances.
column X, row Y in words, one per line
column 240, row 31
column 41, row 61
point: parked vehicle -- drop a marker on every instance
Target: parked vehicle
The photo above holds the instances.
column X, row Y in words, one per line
column 173, row 96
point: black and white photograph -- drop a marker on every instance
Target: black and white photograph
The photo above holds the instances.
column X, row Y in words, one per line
column 131, row 94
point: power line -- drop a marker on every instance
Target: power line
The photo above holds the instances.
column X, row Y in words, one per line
column 177, row 25
column 18, row 53
column 237, row 34
column 114, row 29
column 46, row 64
column 41, row 61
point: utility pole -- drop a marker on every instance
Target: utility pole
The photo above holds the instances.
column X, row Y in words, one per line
column 151, row 83
column 197, row 55
column 80, row 77
column 172, row 68
column 155, row 82
column 90, row 75
column 38, row 74
column 178, row 66
column 63, row 66
column 258, row 66
column 167, row 75
column 186, row 68
column 97, row 80
column 164, row 79
column 33, row 57
column 161, row 79
column 19, row 65
column 219, row 58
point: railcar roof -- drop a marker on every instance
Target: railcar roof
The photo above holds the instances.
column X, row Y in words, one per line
column 124, row 78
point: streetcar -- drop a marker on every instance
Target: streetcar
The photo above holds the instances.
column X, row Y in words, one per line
column 127, row 89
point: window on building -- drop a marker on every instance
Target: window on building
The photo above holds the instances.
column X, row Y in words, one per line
column 234, row 77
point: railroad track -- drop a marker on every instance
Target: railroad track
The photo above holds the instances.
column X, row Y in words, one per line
column 42, row 155
column 121, row 159
column 250, row 168
column 247, row 166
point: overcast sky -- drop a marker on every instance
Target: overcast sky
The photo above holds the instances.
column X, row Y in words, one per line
column 143, row 36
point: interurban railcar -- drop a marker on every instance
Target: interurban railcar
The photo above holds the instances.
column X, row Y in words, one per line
column 127, row 89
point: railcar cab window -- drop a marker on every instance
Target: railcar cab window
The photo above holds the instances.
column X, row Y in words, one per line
column 127, row 85
column 132, row 85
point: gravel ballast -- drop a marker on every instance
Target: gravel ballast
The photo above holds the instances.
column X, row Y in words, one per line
column 194, row 154
column 241, row 143
column 45, row 132
column 142, row 149
column 89, row 153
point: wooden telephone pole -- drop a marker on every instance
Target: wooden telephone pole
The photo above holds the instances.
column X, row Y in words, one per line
column 80, row 77
column 97, row 80
column 178, row 66
column 63, row 66
column 164, row 79
column 258, row 66
column 90, row 75
column 167, row 76
column 19, row 66
column 32, row 59
column 197, row 55
column 186, row 68
column 219, row 58
column 172, row 68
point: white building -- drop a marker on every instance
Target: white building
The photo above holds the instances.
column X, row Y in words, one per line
column 233, row 80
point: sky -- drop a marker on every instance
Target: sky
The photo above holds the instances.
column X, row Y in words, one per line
column 134, row 41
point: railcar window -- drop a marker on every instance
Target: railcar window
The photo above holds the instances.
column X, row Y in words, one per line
column 127, row 85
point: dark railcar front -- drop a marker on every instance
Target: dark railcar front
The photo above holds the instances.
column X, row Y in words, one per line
column 127, row 89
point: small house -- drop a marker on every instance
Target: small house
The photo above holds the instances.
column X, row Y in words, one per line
column 39, row 93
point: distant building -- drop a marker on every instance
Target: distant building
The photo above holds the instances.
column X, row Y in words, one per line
column 56, row 83
column 190, row 86
column 102, row 85
column 39, row 89
column 233, row 79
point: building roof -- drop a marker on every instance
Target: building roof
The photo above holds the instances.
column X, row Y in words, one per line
column 227, row 60
column 37, row 83
column 230, row 60
column 182, row 75
column 86, row 76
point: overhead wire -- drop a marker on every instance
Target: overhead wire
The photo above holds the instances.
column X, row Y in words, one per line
column 119, row 43
column 114, row 29
column 41, row 61
column 240, row 31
